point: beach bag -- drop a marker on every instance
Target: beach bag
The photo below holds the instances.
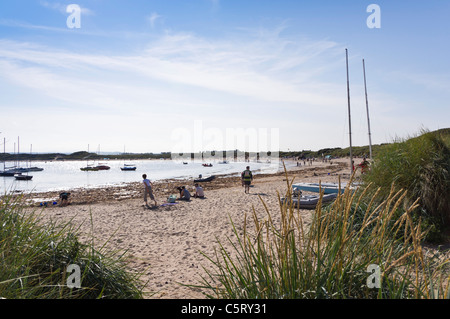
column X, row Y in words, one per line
column 171, row 198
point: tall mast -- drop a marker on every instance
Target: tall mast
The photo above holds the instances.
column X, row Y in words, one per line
column 18, row 150
column 4, row 153
column 367, row 109
column 349, row 115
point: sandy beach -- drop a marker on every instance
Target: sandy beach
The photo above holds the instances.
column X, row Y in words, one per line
column 164, row 243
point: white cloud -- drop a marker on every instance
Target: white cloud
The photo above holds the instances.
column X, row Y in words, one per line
column 257, row 80
column 259, row 70
column 26, row 25
column 152, row 18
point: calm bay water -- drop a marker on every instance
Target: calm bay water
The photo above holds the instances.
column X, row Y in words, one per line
column 65, row 175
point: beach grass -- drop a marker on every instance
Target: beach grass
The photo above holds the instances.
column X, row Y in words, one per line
column 420, row 165
column 364, row 245
column 35, row 261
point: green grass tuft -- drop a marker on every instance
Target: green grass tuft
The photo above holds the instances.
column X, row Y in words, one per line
column 420, row 165
column 34, row 261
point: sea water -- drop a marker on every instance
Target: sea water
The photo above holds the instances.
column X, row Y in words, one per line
column 66, row 175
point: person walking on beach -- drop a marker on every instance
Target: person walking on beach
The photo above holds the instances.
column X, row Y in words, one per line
column 247, row 178
column 148, row 190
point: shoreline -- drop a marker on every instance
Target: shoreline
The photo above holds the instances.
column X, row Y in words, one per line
column 162, row 188
column 118, row 181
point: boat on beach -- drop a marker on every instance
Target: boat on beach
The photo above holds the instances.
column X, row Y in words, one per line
column 206, row 179
column 310, row 201
column 327, row 188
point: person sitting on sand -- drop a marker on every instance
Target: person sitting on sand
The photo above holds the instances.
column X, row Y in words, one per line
column 64, row 199
column 199, row 191
column 148, row 190
column 247, row 178
column 184, row 193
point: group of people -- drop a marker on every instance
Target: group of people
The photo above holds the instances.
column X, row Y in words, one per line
column 246, row 176
column 186, row 195
column 184, row 192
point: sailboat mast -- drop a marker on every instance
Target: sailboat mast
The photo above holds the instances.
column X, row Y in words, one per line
column 4, row 153
column 18, row 151
column 349, row 115
column 367, row 109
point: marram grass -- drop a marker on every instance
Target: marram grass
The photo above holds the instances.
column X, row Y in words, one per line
column 420, row 165
column 34, row 261
column 330, row 257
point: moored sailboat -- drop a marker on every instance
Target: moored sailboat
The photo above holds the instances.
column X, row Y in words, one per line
column 19, row 171
column 21, row 177
column 89, row 168
column 102, row 167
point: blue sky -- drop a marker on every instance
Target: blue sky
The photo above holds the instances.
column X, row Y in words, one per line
column 153, row 76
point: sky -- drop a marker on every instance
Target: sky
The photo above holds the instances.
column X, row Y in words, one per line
column 200, row 75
